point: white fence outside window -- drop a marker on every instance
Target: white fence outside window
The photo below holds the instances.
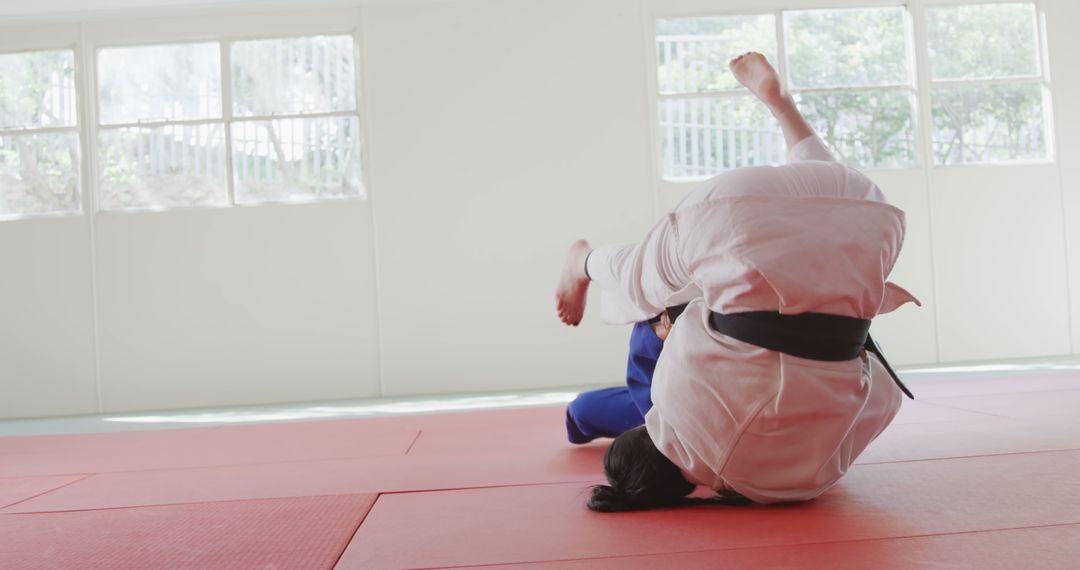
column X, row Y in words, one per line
column 39, row 134
column 853, row 76
column 185, row 124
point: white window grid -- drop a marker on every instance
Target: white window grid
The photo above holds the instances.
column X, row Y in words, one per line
column 1040, row 78
column 907, row 87
column 88, row 128
column 227, row 119
column 919, row 87
column 722, row 97
column 76, row 129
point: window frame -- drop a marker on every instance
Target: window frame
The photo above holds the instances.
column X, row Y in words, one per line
column 708, row 95
column 222, row 25
column 1042, row 79
column 76, row 129
column 909, row 86
column 97, row 128
column 916, row 40
column 228, row 117
column 778, row 15
column 226, row 31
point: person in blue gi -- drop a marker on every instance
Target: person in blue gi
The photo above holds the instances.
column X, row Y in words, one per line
column 608, row 412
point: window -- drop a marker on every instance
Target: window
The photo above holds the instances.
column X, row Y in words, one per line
column 708, row 122
column 863, row 108
column 286, row 124
column 39, row 134
column 161, row 143
column 299, row 136
column 988, row 95
column 848, row 70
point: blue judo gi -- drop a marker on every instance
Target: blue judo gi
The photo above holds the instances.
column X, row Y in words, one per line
column 611, row 411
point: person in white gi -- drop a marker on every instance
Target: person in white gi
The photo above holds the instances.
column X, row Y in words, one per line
column 811, row 236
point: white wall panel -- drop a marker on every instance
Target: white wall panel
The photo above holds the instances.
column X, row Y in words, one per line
column 909, row 335
column 46, row 318
column 1061, row 18
column 999, row 260
column 501, row 131
column 237, row 306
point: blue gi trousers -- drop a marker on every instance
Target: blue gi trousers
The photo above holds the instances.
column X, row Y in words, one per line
column 610, row 411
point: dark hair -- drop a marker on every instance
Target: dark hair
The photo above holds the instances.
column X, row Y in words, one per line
column 642, row 478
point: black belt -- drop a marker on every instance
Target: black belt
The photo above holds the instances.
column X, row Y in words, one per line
column 672, row 312
column 814, row 336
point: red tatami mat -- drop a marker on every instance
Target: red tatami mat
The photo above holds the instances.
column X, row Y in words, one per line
column 923, row 412
column 198, row 447
column 383, row 474
column 525, row 524
column 1018, row 405
column 1043, row 548
column 17, row 489
column 1006, row 384
column 914, row 442
column 546, row 462
column 968, row 478
column 305, row 532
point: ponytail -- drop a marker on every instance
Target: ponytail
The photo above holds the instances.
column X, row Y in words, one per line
column 608, row 499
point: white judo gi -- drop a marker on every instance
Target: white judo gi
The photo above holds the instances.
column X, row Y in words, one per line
column 810, row 236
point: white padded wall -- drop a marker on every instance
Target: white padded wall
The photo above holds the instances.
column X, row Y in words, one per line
column 999, row 260
column 1061, row 17
column 500, row 132
column 909, row 335
column 237, row 306
column 46, row 318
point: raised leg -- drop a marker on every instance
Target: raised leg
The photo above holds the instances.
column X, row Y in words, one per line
column 754, row 71
column 573, row 284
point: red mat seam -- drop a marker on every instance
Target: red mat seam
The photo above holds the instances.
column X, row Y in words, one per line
column 1001, row 394
column 155, row 505
column 370, row 492
column 83, row 478
column 419, row 432
column 213, row 466
column 352, row 535
column 932, row 403
column 871, row 463
column 440, row 490
column 595, row 479
column 85, row 473
column 879, row 539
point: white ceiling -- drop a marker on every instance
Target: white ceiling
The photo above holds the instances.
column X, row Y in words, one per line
column 52, row 10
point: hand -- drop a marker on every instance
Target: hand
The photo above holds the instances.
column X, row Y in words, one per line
column 662, row 328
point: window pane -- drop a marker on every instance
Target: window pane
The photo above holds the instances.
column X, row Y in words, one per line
column 988, row 123
column 37, row 89
column 868, row 128
column 982, row 41
column 39, row 173
column 692, row 53
column 296, row 159
column 299, row 75
column 163, row 167
column 846, row 48
column 159, row 83
column 702, row 137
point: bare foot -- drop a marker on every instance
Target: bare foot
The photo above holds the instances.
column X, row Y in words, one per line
column 755, row 72
column 573, row 284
